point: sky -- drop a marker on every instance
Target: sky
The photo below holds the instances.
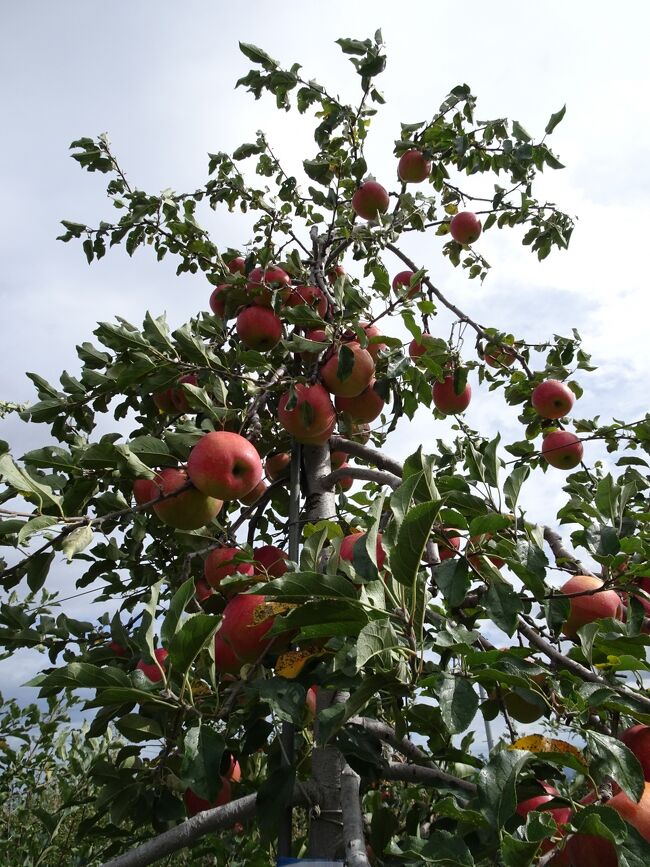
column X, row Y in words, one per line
column 159, row 78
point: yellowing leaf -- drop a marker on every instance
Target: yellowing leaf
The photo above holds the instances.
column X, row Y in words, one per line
column 270, row 609
column 291, row 663
column 542, row 744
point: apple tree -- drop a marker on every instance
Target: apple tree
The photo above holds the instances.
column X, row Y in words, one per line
column 295, row 639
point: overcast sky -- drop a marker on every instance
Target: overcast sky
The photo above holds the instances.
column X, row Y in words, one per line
column 159, row 78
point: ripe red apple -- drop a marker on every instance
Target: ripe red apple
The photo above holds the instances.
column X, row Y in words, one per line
column 117, row 648
column 561, row 815
column 244, row 626
column 202, row 590
column 223, row 464
column 478, row 544
column 448, row 544
column 259, row 328
column 465, row 228
column 258, row 491
column 272, row 560
column 312, row 296
column 413, row 167
column 562, row 449
column 637, row 739
column 189, row 510
column 445, row 398
column 337, row 459
column 218, row 301
column 221, row 562
column 365, row 407
column 226, row 660
column 552, row 399
column 194, row 804
column 345, row 482
column 417, row 348
column 370, row 200
column 334, row 274
column 150, row 669
column 277, row 466
column 363, row 368
column 237, row 265
column 585, row 850
column 321, row 336
column 346, row 551
column 312, row 415
column 372, row 331
column 586, row 609
column 321, row 438
column 404, row 279
column 497, row 355
column 261, row 282
column 163, row 400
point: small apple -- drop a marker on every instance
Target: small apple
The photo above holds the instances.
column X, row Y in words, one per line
column 345, row 482
column 417, row 348
column 312, row 296
column 337, row 459
column 223, row 464
column 150, row 670
column 237, row 265
column 179, row 400
column 312, row 415
column 218, row 301
column 359, row 433
column 194, row 804
column 272, row 560
column 277, row 466
column 346, row 551
column 562, row 449
column 365, row 407
column 448, row 544
column 163, row 400
column 221, row 562
column 413, row 167
column 552, row 399
column 334, row 274
column 370, row 200
column 189, row 510
column 499, row 355
column 117, row 648
column 261, row 282
column 588, row 608
column 465, row 228
column 445, row 398
column 403, row 279
column 202, row 590
column 477, row 546
column 259, row 328
column 358, row 377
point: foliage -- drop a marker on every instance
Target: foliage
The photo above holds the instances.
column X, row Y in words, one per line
column 406, row 647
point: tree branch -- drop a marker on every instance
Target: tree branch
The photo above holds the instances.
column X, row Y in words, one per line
column 369, row 475
column 373, row 456
column 385, row 733
column 407, row 773
column 353, row 837
column 564, row 557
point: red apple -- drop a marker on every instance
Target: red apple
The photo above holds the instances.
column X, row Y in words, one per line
column 117, row 648
column 150, row 669
column 370, row 200
column 259, row 328
column 312, row 296
column 321, row 438
column 244, row 627
column 499, row 355
column 194, row 804
column 202, row 590
column 365, row 407
column 218, row 301
column 417, row 348
column 360, row 433
column 465, row 227
column 552, row 399
column 445, row 398
column 561, row 815
column 345, row 482
column 448, row 544
column 363, row 368
column 338, row 458
column 372, row 331
column 237, row 265
column 262, row 281
column 163, row 400
column 226, row 660
column 334, row 274
column 223, row 464
column 413, row 167
column 221, row 562
column 312, row 415
column 404, row 279
column 189, row 510
column 346, row 551
column 586, row 609
column 478, row 544
column 637, row 739
column 277, row 466
column 179, row 400
column 562, row 449
column 272, row 560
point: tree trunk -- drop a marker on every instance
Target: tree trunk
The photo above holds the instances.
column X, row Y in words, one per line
column 325, row 829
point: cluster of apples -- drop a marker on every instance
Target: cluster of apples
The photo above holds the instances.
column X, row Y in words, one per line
column 586, row 850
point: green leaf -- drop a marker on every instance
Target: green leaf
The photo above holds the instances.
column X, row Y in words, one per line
column 497, row 785
column 299, row 585
column 402, row 496
column 556, row 118
column 458, row 702
column 177, row 606
column 25, row 485
column 503, row 604
column 332, row 718
column 453, row 579
column 138, row 728
column 202, row 752
column 412, row 538
column 77, row 541
column 519, row 132
column 618, row 762
column 34, row 525
column 491, row 523
column 190, row 640
column 377, row 638
column 258, row 56
column 517, row 853
column 37, row 570
column 286, row 697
